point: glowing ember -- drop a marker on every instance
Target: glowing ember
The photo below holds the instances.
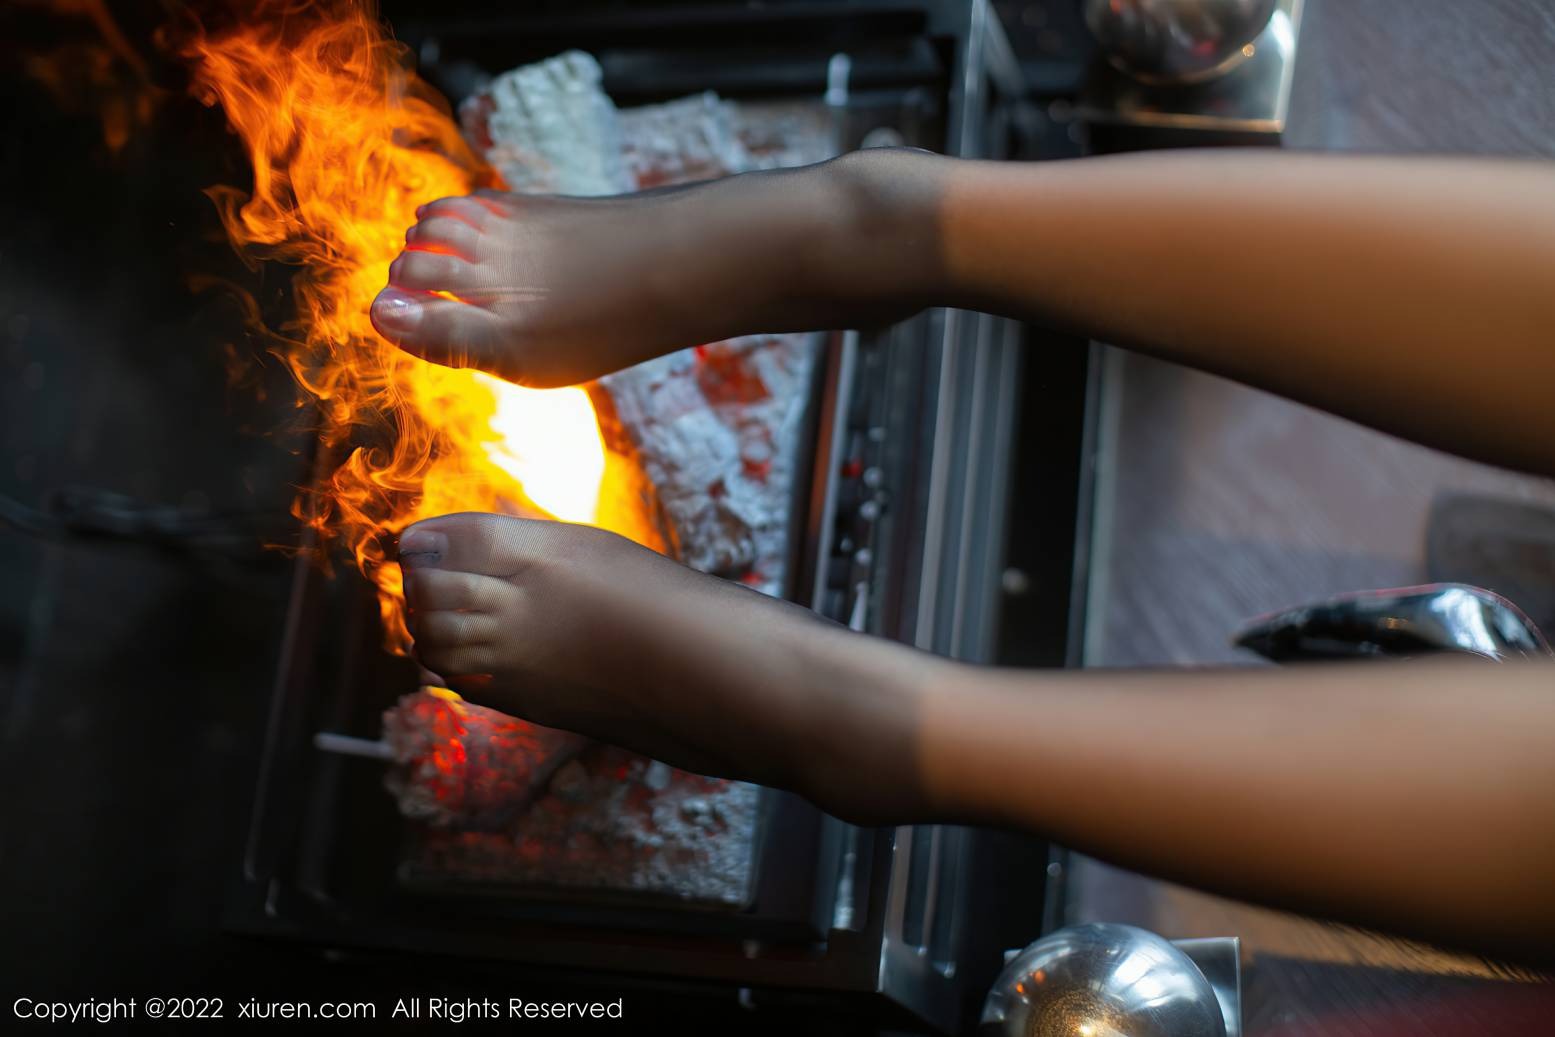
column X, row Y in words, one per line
column 346, row 142
column 458, row 765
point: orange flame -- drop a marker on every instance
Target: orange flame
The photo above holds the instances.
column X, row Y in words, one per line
column 346, row 142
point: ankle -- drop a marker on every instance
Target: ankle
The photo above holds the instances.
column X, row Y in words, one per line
column 885, row 246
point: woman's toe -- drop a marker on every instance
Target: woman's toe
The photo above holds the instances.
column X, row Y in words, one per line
column 444, row 331
column 469, row 210
column 443, row 234
column 433, row 272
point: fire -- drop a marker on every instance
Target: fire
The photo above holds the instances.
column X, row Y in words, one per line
column 346, row 142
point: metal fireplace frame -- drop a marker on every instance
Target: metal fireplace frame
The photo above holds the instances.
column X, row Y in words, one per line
column 903, row 536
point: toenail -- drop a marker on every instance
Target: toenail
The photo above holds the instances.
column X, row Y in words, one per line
column 397, row 310
column 422, row 548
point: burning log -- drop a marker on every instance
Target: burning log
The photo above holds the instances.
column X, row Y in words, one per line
column 609, row 820
column 458, row 765
column 715, row 428
column 548, row 128
column 508, row 802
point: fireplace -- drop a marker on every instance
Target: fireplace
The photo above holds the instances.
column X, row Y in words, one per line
column 894, row 523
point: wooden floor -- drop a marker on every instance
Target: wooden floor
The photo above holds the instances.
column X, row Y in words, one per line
column 1218, row 502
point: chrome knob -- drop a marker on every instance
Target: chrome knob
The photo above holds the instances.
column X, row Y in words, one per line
column 1102, row 981
column 1177, row 41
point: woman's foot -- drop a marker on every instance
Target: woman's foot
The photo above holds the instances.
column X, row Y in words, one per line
column 548, row 291
column 582, row 630
column 576, row 628
column 537, row 290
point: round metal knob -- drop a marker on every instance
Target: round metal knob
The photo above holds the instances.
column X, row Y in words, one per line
column 1177, row 41
column 1102, row 981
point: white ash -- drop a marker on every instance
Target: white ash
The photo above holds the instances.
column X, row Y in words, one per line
column 779, row 134
column 657, row 776
column 680, row 141
column 548, row 128
column 702, row 137
column 718, row 429
column 718, row 432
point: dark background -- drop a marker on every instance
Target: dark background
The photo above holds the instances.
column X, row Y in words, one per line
column 133, row 679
